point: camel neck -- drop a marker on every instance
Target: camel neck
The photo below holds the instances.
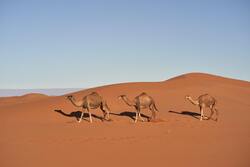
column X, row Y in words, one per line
column 127, row 101
column 76, row 103
column 194, row 102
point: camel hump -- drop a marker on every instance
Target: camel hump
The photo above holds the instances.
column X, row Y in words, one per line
column 94, row 93
column 204, row 95
column 143, row 93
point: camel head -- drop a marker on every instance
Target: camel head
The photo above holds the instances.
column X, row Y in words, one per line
column 187, row 97
column 121, row 96
column 69, row 97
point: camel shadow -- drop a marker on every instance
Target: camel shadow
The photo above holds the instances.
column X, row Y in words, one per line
column 77, row 115
column 129, row 114
column 187, row 113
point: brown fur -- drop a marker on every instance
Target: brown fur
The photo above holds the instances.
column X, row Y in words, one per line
column 141, row 101
column 205, row 101
column 91, row 101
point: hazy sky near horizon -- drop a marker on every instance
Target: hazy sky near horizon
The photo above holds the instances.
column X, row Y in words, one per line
column 78, row 43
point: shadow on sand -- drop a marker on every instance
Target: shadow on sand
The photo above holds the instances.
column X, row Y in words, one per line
column 77, row 115
column 187, row 113
column 130, row 114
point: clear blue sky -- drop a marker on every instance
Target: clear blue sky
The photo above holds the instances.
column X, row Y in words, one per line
column 78, row 43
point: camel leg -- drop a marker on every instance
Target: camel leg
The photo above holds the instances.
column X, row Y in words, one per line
column 90, row 116
column 105, row 112
column 201, row 110
column 106, row 115
column 141, row 117
column 136, row 116
column 153, row 113
column 211, row 114
column 139, row 113
column 80, row 119
column 217, row 114
column 152, row 116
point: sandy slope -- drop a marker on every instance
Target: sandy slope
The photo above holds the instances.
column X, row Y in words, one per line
column 31, row 97
column 34, row 134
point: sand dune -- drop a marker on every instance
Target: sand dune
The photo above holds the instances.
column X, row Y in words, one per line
column 31, row 97
column 50, row 92
column 39, row 130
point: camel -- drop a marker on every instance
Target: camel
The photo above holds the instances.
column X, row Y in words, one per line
column 91, row 101
column 205, row 101
column 141, row 101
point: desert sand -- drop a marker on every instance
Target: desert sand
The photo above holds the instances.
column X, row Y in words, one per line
column 39, row 130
